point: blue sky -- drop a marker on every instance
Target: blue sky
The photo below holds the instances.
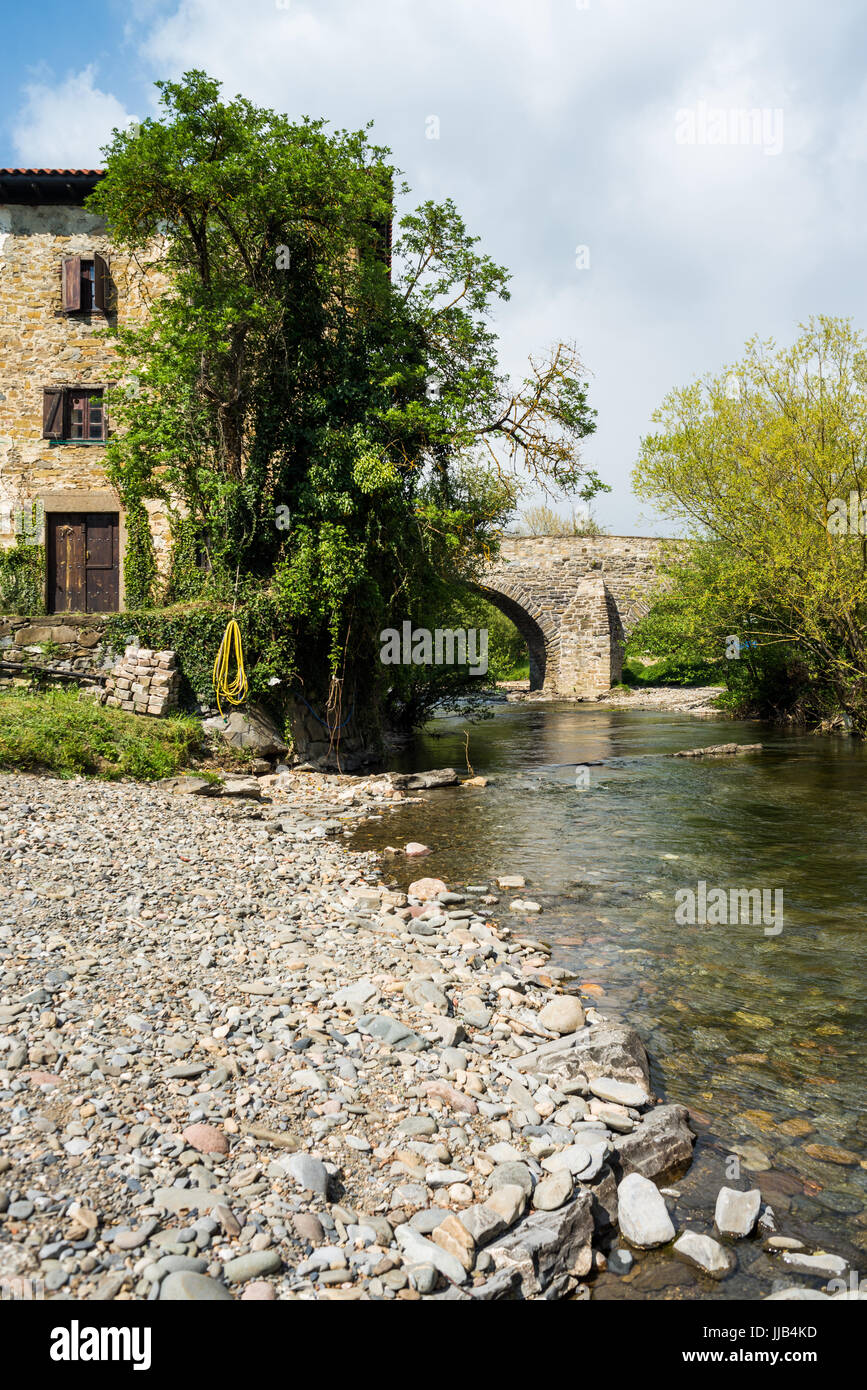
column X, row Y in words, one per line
column 610, row 125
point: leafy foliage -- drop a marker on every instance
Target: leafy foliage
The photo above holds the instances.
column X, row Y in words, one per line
column 288, row 369
column 753, row 462
column 22, row 570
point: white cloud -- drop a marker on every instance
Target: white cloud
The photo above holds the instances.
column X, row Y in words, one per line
column 63, row 124
column 557, row 129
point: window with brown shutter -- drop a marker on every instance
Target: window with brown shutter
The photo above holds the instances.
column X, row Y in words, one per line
column 71, row 279
column 52, row 412
column 86, row 284
column 75, row 414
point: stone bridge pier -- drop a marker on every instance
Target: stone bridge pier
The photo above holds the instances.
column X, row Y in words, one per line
column 574, row 599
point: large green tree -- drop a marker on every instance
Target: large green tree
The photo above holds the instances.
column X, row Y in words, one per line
column 765, row 466
column 325, row 415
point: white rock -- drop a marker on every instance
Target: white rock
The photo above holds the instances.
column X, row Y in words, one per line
column 642, row 1214
column 621, row 1092
column 705, row 1252
column 562, row 1015
column 737, row 1212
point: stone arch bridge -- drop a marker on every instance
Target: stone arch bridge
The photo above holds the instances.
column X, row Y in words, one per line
column 574, row 599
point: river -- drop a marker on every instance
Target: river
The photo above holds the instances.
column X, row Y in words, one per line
column 760, row 1033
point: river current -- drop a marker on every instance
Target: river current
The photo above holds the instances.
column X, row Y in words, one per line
column 760, row 1032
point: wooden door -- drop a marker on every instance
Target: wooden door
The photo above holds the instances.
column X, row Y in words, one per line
column 83, row 562
column 101, row 560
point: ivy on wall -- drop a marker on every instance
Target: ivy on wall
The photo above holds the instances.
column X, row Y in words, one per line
column 139, row 563
column 22, row 579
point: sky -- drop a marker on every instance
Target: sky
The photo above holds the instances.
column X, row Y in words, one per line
column 663, row 178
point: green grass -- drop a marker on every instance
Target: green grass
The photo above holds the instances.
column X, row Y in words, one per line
column 61, row 733
column 520, row 672
column 671, row 671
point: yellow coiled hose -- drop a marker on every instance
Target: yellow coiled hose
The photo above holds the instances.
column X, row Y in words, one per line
column 235, row 691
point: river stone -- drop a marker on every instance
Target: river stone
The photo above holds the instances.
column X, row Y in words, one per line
column 452, row 1236
column 253, row 731
column 642, row 1213
column 832, row 1265
column 308, row 1172
column 553, row 1191
column 482, row 1222
column 508, row 1202
column 574, row 1159
column 660, row 1146
column 252, row 1266
column 705, row 1252
column 192, row 1288
column 258, row 1292
column 737, row 1212
column 474, row 1012
column 206, row 1139
column 422, row 1251
column 356, row 994
column 562, row 1015
column 512, row 1175
column 621, row 1092
column 427, row 888
column 177, row 1199
column 428, row 996
column 549, row 1245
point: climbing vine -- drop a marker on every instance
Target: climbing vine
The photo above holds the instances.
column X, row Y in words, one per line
column 22, row 579
column 139, row 565
column 327, row 414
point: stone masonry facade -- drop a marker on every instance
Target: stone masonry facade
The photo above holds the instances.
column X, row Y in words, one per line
column 43, row 346
column 574, row 599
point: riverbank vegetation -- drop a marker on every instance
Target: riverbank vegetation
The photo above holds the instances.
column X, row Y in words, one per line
column 69, row 734
column 764, row 466
column 321, row 409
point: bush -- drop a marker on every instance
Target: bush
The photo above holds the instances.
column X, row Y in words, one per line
column 22, row 568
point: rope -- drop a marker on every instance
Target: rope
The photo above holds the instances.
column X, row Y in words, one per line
column 322, row 721
column 235, row 691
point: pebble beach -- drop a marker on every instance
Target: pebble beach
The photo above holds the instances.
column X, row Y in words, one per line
column 236, row 1063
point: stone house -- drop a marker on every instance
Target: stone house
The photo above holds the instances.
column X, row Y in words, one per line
column 62, row 283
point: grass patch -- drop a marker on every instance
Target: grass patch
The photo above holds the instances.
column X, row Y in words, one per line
column 62, row 733
column 672, row 670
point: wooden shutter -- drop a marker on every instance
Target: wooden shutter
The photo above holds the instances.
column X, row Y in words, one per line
column 71, row 278
column 52, row 412
column 101, row 284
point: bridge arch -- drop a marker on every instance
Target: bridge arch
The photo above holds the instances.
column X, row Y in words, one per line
column 526, row 613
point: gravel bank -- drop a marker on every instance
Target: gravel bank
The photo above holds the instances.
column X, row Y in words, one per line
column 234, row 1065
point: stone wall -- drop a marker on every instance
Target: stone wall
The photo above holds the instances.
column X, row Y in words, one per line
column 60, row 646
column 40, row 346
column 574, row 599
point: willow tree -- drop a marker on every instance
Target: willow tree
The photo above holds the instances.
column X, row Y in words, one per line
column 323, row 411
column 766, row 465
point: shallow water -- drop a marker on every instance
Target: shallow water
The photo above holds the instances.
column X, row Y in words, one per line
column 759, row 1034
